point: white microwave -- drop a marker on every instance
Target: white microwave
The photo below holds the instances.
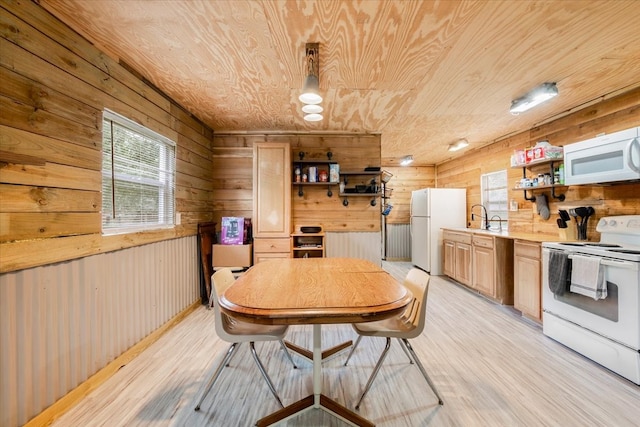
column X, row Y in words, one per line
column 608, row 158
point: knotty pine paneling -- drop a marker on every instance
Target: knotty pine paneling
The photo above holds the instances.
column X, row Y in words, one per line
column 232, row 177
column 618, row 113
column 55, row 86
column 403, row 182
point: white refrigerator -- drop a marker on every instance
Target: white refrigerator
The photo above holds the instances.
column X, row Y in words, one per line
column 432, row 209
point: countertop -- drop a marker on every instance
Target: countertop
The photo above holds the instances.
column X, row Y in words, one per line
column 532, row 237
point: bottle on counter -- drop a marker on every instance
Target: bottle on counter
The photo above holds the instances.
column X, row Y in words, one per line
column 561, row 173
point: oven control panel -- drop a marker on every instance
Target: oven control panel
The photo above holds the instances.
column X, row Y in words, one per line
column 626, row 224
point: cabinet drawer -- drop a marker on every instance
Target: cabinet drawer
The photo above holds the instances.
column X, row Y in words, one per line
column 265, row 256
column 457, row 237
column 483, row 241
column 271, row 245
column 526, row 249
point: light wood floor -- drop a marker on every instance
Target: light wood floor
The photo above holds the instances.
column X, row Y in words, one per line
column 491, row 367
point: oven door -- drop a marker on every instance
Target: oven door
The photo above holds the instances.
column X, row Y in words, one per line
column 616, row 317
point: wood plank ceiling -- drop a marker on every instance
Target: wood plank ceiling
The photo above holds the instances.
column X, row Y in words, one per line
column 423, row 74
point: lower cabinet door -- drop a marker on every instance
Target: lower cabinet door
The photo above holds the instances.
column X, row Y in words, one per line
column 483, row 271
column 527, row 274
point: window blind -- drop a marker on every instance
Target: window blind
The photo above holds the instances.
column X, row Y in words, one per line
column 138, row 177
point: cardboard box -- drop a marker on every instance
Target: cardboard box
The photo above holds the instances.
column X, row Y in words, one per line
column 232, row 255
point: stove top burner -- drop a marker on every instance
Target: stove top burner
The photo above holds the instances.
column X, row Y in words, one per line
column 595, row 244
column 625, row 251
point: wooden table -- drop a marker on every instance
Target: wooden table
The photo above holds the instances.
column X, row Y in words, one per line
column 315, row 291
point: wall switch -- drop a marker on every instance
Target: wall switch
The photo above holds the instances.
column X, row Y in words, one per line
column 178, row 218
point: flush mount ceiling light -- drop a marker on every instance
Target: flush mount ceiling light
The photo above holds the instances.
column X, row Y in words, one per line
column 458, row 145
column 535, row 97
column 310, row 90
column 406, row 160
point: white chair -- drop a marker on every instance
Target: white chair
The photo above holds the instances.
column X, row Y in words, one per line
column 237, row 332
column 407, row 325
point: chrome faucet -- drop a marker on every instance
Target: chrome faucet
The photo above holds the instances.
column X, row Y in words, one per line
column 485, row 217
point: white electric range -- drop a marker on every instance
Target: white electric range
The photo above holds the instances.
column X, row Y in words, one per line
column 604, row 330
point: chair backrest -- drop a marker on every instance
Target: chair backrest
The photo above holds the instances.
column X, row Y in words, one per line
column 221, row 280
column 417, row 281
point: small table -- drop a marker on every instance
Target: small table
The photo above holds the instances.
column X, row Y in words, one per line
column 315, row 291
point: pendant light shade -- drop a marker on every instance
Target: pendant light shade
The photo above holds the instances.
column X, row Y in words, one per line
column 313, row 117
column 312, row 109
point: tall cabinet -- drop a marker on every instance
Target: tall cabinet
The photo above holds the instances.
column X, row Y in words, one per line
column 271, row 200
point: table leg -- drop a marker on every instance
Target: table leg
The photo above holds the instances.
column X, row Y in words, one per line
column 317, row 400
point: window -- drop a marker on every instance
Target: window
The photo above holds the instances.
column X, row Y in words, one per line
column 138, row 177
column 494, row 197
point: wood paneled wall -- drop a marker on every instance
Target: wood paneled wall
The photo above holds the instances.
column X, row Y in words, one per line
column 232, row 176
column 403, row 182
column 55, row 85
column 610, row 115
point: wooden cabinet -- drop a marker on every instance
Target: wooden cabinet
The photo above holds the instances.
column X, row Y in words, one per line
column 527, row 267
column 492, row 259
column 457, row 256
column 271, row 200
column 307, row 245
column 483, row 265
column 481, row 262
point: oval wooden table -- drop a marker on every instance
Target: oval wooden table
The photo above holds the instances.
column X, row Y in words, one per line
column 315, row 291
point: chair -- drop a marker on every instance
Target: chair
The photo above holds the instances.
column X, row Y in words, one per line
column 206, row 237
column 237, row 332
column 407, row 325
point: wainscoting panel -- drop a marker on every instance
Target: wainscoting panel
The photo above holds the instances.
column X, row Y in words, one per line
column 61, row 323
column 365, row 245
column 398, row 242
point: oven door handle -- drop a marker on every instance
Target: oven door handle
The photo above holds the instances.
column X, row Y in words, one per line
column 613, row 263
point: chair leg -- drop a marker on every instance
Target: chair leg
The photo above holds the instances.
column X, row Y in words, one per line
column 375, row 371
column 238, row 344
column 353, row 349
column 216, row 374
column 264, row 373
column 424, row 372
column 286, row 351
column 404, row 348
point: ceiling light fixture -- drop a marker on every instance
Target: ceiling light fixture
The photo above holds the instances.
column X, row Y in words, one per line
column 535, row 97
column 458, row 145
column 312, row 109
column 311, row 86
column 406, row 160
column 313, row 117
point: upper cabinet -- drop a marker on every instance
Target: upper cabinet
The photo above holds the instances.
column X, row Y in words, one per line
column 271, row 190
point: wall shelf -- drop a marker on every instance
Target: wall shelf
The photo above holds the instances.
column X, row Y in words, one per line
column 534, row 165
column 372, row 177
column 302, row 163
